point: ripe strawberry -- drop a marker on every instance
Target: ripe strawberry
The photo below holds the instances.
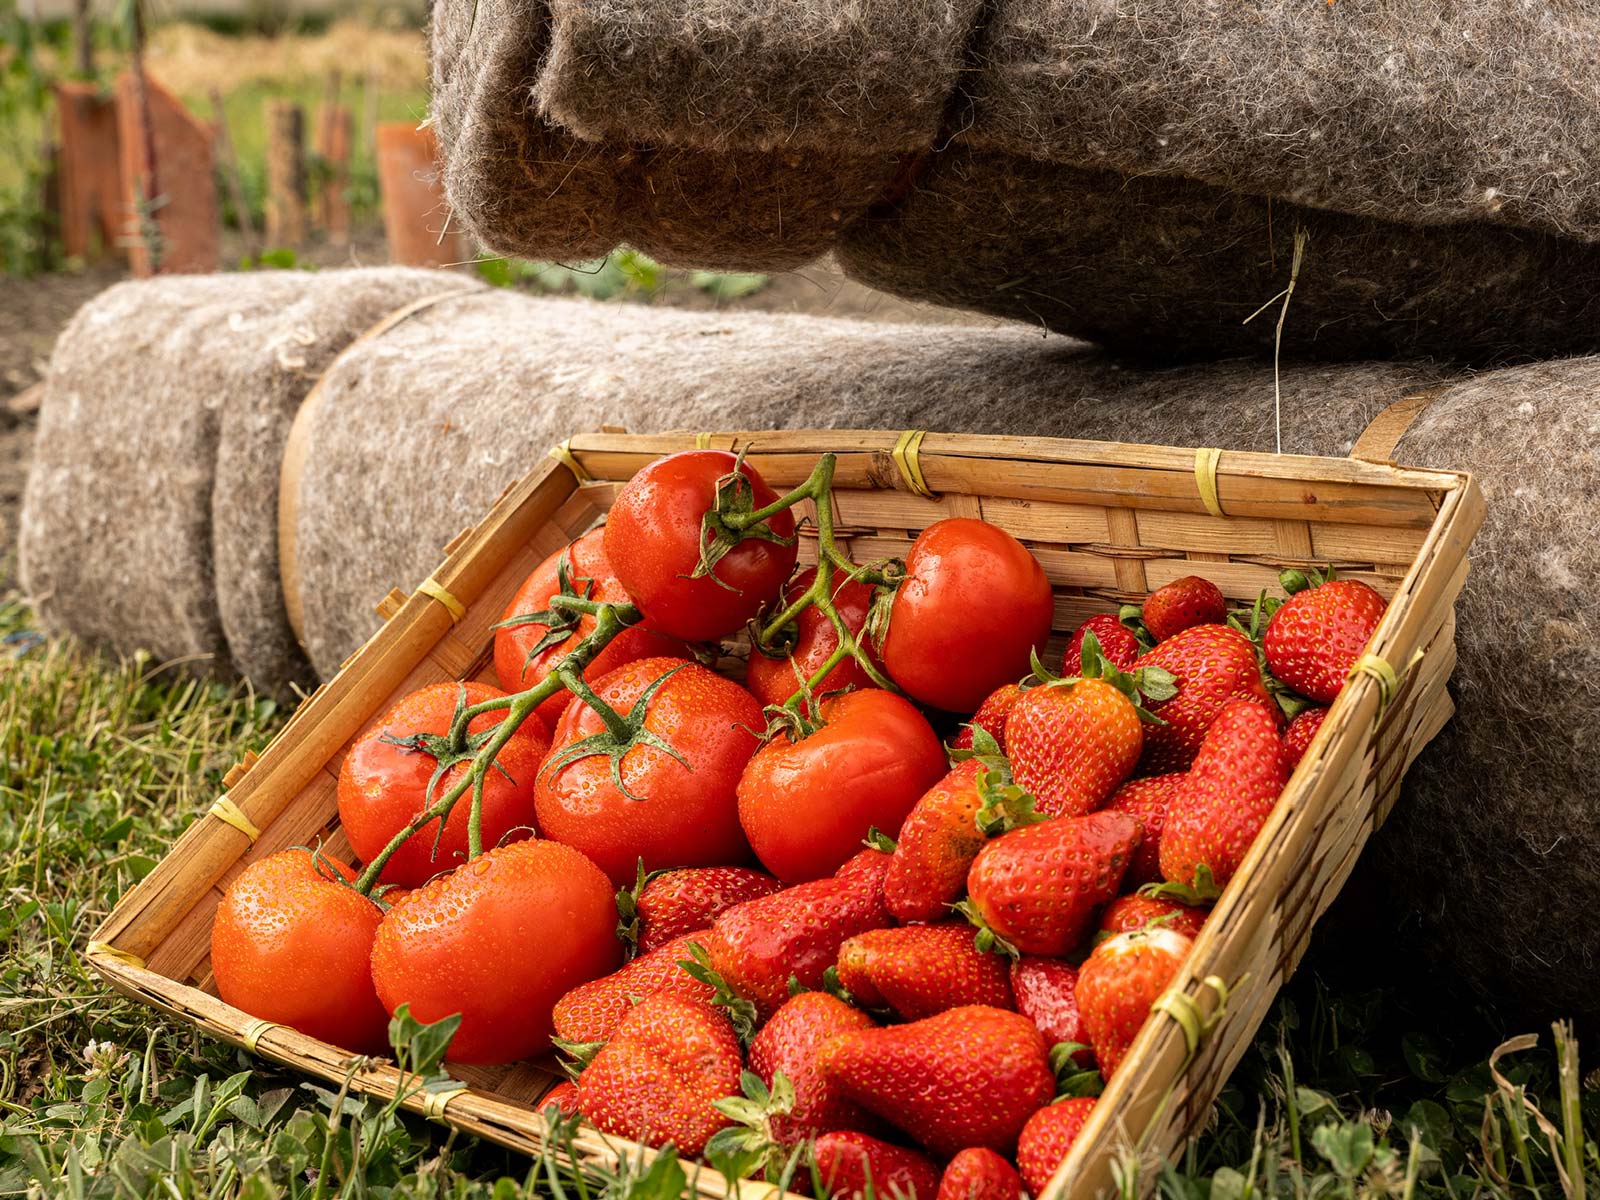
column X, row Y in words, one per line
column 1119, row 982
column 1226, row 797
column 666, row 905
column 1316, row 637
column 1214, row 664
column 990, row 717
column 1146, row 801
column 1118, row 643
column 756, row 946
column 1297, row 738
column 1047, row 1137
column 920, row 970
column 1183, row 604
column 1128, row 914
column 850, row 1166
column 1037, row 888
column 1046, row 990
column 945, row 831
column 789, row 1043
column 1072, row 742
column 967, row 1077
column 564, row 1096
column 658, row 1077
column 592, row 1011
column 978, row 1173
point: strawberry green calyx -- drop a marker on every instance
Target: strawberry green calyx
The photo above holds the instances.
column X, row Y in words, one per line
column 986, row 939
column 1293, row 581
column 1253, row 622
column 738, row 1009
column 1200, row 891
column 1006, row 804
column 1071, row 1078
column 877, row 839
column 830, row 985
column 575, row 1056
column 628, row 910
column 1146, row 683
column 749, row 1146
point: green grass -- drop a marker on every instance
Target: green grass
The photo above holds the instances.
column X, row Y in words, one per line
column 104, row 763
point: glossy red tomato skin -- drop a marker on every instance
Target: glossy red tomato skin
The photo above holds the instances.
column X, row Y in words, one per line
column 499, row 941
column 807, row 805
column 587, row 560
column 774, row 680
column 975, row 604
column 290, row 945
column 382, row 786
column 652, row 538
column 687, row 815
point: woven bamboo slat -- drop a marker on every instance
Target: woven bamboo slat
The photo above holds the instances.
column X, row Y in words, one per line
column 1109, row 522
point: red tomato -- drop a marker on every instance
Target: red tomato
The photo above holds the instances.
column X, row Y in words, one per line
column 975, row 604
column 382, row 786
column 686, row 814
column 807, row 805
column 290, row 945
column 499, row 941
column 653, row 542
column 774, row 680
column 517, row 664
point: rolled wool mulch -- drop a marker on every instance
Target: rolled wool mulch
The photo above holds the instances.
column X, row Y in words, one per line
column 150, row 515
column 524, row 186
column 1136, row 178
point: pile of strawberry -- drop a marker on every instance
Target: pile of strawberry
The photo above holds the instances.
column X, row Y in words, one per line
column 949, row 947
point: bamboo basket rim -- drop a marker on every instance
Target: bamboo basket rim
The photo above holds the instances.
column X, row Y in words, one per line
column 1455, row 507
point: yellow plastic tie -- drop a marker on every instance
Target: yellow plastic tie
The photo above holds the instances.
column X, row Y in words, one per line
column 435, row 590
column 107, row 950
column 434, row 1103
column 702, row 441
column 1387, row 679
column 1185, row 1010
column 562, row 453
column 250, row 1035
column 1205, row 478
column 225, row 810
column 906, row 449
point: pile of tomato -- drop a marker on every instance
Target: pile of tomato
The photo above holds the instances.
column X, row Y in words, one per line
column 890, row 901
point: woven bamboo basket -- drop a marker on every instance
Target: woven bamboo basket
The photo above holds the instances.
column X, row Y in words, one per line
column 1109, row 522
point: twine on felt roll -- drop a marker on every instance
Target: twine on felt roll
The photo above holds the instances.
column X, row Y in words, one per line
column 434, row 590
column 107, row 950
column 252, row 1033
column 906, row 454
column 1205, row 478
column 229, row 813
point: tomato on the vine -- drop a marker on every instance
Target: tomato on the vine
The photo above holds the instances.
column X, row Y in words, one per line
column 527, row 649
column 653, row 538
column 389, row 777
column 775, row 680
column 291, row 944
column 499, row 941
column 974, row 606
column 675, row 808
column 807, row 805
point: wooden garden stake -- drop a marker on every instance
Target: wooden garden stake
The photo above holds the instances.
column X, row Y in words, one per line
column 286, row 174
column 230, row 171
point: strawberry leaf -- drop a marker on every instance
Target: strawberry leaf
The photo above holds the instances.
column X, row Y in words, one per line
column 986, row 940
column 575, row 1056
column 1202, row 890
column 877, row 839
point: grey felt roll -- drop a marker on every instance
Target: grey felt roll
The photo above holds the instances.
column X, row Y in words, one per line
column 1168, row 268
column 524, row 186
column 1130, row 174
column 150, row 515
